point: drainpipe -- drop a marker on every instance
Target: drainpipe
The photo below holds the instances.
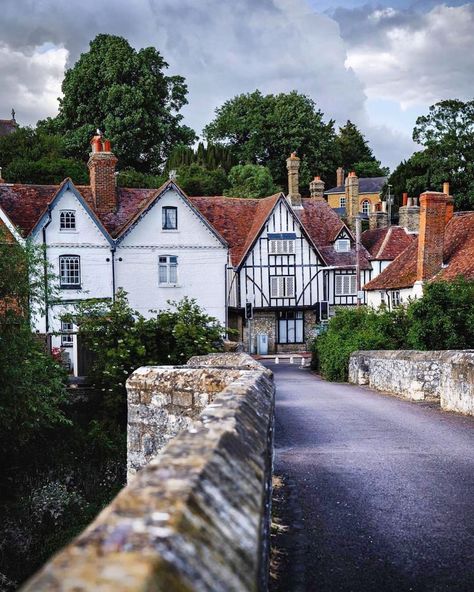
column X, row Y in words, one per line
column 226, row 300
column 45, row 271
column 112, row 256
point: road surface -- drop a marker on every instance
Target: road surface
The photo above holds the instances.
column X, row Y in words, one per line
column 378, row 494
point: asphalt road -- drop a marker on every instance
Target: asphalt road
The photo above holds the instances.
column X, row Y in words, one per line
column 379, row 492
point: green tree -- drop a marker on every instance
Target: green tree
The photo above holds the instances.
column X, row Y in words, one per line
column 265, row 129
column 355, row 154
column 127, row 94
column 250, row 180
column 33, row 156
column 195, row 179
column 32, row 384
column 444, row 317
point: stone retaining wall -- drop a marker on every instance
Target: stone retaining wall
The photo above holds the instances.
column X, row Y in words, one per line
column 447, row 376
column 196, row 517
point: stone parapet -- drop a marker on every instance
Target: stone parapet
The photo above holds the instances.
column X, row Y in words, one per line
column 447, row 376
column 195, row 518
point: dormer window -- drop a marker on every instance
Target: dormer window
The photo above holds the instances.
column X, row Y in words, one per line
column 170, row 218
column 343, row 245
column 67, row 220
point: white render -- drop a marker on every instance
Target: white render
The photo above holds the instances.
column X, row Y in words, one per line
column 132, row 262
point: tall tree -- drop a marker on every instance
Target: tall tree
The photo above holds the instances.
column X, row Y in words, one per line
column 265, row 129
column 128, row 95
column 251, row 180
column 447, row 133
column 355, row 154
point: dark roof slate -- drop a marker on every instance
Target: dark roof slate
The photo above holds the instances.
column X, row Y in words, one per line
column 366, row 185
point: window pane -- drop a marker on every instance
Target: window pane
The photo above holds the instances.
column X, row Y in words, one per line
column 282, row 332
column 173, row 274
column 170, row 218
column 291, row 331
column 163, row 274
column 299, row 330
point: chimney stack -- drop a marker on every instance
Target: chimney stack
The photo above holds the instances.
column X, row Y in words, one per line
column 409, row 214
column 293, row 166
column 339, row 177
column 316, row 189
column 431, row 237
column 378, row 217
column 101, row 165
column 352, row 198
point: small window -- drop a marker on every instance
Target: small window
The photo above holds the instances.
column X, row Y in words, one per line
column 281, row 247
column 170, row 218
column 290, row 326
column 67, row 220
column 282, row 286
column 342, row 201
column 66, row 334
column 345, row 285
column 366, row 207
column 70, row 271
column 168, row 270
column 395, row 298
column 343, row 245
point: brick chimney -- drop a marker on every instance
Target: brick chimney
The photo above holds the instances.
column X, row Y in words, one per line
column 431, row 237
column 409, row 214
column 378, row 217
column 449, row 202
column 352, row 198
column 339, row 177
column 316, row 189
column 293, row 166
column 101, row 165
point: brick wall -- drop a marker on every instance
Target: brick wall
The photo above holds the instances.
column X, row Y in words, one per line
column 431, row 236
column 102, row 181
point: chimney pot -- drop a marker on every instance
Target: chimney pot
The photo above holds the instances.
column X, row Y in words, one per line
column 446, row 188
column 405, row 199
column 107, row 146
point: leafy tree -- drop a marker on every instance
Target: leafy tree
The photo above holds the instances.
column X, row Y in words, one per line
column 33, row 156
column 251, row 180
column 195, row 179
column 265, row 129
column 444, row 317
column 370, row 169
column 211, row 157
column 31, row 382
column 355, row 154
column 127, row 94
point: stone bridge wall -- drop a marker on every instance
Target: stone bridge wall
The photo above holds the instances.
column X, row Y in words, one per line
column 195, row 518
column 418, row 375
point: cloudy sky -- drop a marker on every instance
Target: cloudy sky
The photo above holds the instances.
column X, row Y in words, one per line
column 379, row 64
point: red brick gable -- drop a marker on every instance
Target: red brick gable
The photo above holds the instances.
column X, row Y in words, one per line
column 458, row 257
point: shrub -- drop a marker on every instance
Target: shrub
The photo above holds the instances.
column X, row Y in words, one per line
column 355, row 329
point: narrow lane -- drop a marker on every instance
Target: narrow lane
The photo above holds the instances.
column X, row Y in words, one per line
column 379, row 492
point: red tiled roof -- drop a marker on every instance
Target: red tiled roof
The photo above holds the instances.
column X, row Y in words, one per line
column 386, row 243
column 458, row 257
column 24, row 204
column 237, row 220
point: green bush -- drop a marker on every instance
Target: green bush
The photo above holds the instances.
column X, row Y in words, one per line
column 355, row 329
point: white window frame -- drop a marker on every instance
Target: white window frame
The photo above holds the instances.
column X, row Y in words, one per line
column 70, row 272
column 164, row 219
column 168, row 269
column 67, row 338
column 281, row 246
column 342, row 201
column 67, row 221
column 366, row 206
column 345, row 285
column 343, row 245
column 282, row 286
column 395, row 298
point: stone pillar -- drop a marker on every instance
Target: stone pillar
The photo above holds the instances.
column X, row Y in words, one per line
column 352, row 198
column 431, row 238
column 339, row 177
column 293, row 166
column 101, row 165
column 316, row 189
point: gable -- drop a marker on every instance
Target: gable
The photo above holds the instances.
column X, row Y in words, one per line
column 192, row 228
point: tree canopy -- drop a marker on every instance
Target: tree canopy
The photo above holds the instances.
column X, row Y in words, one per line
column 251, row 181
column 355, row 154
column 265, row 129
column 447, row 135
column 127, row 94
